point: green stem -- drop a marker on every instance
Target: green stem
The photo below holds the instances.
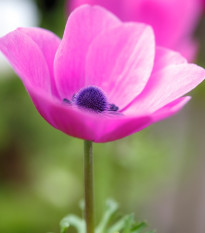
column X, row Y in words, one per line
column 88, row 187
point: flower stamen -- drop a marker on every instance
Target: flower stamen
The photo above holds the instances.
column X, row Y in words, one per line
column 66, row 101
column 92, row 98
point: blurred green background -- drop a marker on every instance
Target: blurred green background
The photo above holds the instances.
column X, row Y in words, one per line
column 157, row 173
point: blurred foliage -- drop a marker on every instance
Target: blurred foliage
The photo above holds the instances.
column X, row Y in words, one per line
column 109, row 223
column 41, row 177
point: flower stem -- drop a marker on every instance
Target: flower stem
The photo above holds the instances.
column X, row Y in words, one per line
column 88, row 186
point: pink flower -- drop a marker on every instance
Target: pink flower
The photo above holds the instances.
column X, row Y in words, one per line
column 173, row 21
column 203, row 3
column 104, row 80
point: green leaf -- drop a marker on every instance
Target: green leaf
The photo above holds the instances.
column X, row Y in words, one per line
column 111, row 207
column 118, row 226
column 129, row 221
column 126, row 224
column 72, row 220
column 137, row 228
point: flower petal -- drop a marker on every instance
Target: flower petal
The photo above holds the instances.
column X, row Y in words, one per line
column 173, row 21
column 83, row 25
column 133, row 124
column 166, row 57
column 168, row 82
column 48, row 43
column 83, row 124
column 120, row 61
column 63, row 117
column 26, row 59
column 122, row 127
column 115, row 6
column 96, row 127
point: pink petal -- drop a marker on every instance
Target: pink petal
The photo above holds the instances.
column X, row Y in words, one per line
column 167, row 85
column 120, row 128
column 48, row 43
column 115, row 6
column 83, row 124
column 26, row 58
column 83, row 25
column 61, row 116
column 166, row 57
column 173, row 21
column 120, row 61
column 163, row 58
column 136, row 123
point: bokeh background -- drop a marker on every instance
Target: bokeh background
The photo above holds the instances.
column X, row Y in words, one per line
column 158, row 173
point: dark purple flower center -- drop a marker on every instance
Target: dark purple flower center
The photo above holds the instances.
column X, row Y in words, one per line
column 92, row 98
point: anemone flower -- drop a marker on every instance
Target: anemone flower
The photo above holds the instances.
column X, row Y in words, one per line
column 104, row 80
column 173, row 21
